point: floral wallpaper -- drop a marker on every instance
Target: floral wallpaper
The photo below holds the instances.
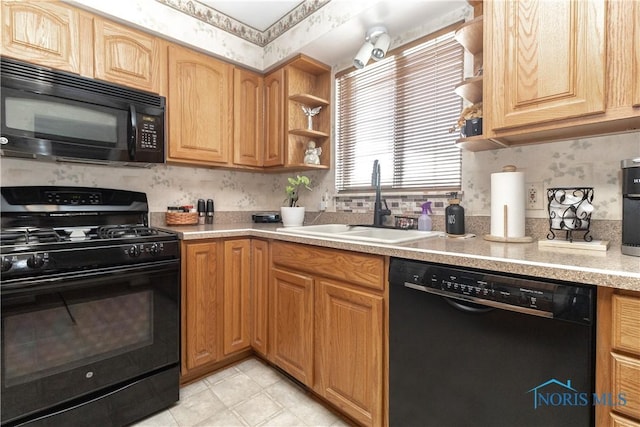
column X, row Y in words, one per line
column 164, row 185
column 261, row 38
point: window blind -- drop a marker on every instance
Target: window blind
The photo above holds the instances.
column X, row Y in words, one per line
column 399, row 111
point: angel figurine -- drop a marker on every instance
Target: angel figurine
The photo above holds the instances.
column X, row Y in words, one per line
column 312, row 154
column 310, row 112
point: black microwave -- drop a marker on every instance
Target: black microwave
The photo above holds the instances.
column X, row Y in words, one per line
column 55, row 115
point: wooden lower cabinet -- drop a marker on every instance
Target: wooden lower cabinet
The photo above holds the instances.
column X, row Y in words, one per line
column 215, row 303
column 349, row 357
column 618, row 357
column 200, row 305
column 291, row 334
column 235, row 299
column 260, row 296
column 328, row 325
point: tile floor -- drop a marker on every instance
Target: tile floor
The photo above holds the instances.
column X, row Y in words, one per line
column 247, row 394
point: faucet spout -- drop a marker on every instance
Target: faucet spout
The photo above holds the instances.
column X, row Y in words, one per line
column 378, row 212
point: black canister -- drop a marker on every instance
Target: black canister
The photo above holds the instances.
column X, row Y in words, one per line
column 631, row 207
column 454, row 217
column 209, row 211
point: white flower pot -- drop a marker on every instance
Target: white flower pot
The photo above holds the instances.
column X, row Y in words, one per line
column 292, row 217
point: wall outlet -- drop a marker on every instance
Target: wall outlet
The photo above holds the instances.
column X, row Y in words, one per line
column 535, row 196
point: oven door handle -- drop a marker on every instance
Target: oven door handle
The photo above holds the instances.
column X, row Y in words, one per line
column 30, row 283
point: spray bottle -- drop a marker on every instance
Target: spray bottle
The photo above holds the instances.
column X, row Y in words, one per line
column 424, row 221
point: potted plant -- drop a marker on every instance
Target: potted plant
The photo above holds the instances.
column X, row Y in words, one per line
column 292, row 214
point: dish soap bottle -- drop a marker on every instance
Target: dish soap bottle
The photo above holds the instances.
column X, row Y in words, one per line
column 424, row 221
column 454, row 216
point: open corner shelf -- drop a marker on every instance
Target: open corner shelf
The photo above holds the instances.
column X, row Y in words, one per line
column 309, row 133
column 310, row 100
column 469, row 35
column 470, row 89
column 478, row 143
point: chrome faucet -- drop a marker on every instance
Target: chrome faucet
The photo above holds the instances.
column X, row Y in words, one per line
column 378, row 212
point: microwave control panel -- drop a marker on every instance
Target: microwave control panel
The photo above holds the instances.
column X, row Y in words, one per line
column 150, row 131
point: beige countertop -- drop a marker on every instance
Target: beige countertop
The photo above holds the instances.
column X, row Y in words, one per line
column 610, row 268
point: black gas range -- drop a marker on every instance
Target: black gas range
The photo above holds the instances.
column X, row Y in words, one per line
column 49, row 230
column 90, row 307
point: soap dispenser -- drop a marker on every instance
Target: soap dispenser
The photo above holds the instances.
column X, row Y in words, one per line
column 454, row 216
column 424, row 221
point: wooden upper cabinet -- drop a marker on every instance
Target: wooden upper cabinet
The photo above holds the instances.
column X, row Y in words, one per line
column 547, row 60
column 274, row 90
column 44, row 33
column 128, row 57
column 236, row 301
column 200, row 102
column 248, row 118
column 636, row 54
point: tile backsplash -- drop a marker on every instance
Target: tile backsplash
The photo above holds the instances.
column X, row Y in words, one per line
column 593, row 162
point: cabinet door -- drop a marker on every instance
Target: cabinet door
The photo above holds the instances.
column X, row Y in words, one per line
column 237, row 274
column 636, row 55
column 547, row 60
column 248, row 118
column 127, row 57
column 259, row 295
column 44, row 33
column 291, row 337
column 350, row 350
column 275, row 103
column 199, row 106
column 200, row 305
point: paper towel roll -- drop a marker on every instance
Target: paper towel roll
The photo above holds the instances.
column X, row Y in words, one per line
column 507, row 189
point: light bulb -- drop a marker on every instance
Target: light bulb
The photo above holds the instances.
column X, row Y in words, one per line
column 363, row 55
column 380, row 49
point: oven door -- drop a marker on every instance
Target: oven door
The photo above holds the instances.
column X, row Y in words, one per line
column 66, row 337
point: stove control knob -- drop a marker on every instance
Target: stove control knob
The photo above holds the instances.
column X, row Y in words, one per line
column 6, row 264
column 134, row 251
column 35, row 261
column 154, row 249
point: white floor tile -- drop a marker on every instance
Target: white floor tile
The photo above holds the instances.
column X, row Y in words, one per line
column 249, row 394
column 196, row 408
column 257, row 409
column 224, row 418
column 283, row 419
column 235, row 389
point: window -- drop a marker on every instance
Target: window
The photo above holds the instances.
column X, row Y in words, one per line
column 399, row 111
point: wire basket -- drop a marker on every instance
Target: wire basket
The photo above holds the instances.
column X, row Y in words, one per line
column 570, row 211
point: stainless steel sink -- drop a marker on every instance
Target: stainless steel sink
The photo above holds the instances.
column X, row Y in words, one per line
column 361, row 233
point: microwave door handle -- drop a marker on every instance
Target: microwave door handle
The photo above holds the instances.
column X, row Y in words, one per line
column 133, row 136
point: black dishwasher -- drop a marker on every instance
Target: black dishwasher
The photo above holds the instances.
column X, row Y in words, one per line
column 474, row 348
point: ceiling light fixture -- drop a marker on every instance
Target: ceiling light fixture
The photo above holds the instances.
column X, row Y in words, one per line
column 375, row 46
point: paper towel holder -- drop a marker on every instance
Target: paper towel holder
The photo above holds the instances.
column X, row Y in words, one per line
column 505, row 239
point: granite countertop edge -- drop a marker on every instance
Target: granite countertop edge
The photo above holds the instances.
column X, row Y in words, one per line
column 607, row 269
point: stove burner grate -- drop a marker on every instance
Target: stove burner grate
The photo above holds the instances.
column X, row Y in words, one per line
column 123, row 231
column 32, row 235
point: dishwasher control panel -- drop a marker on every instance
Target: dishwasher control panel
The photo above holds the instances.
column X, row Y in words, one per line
column 559, row 300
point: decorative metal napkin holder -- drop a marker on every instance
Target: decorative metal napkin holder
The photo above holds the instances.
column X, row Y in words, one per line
column 570, row 211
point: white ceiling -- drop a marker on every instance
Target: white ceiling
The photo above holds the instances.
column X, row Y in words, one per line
column 259, row 14
column 342, row 42
column 398, row 16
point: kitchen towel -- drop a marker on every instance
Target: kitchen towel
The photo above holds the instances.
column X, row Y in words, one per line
column 507, row 189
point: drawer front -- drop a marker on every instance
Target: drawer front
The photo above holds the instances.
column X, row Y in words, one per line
column 626, row 380
column 626, row 323
column 618, row 421
column 352, row 267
